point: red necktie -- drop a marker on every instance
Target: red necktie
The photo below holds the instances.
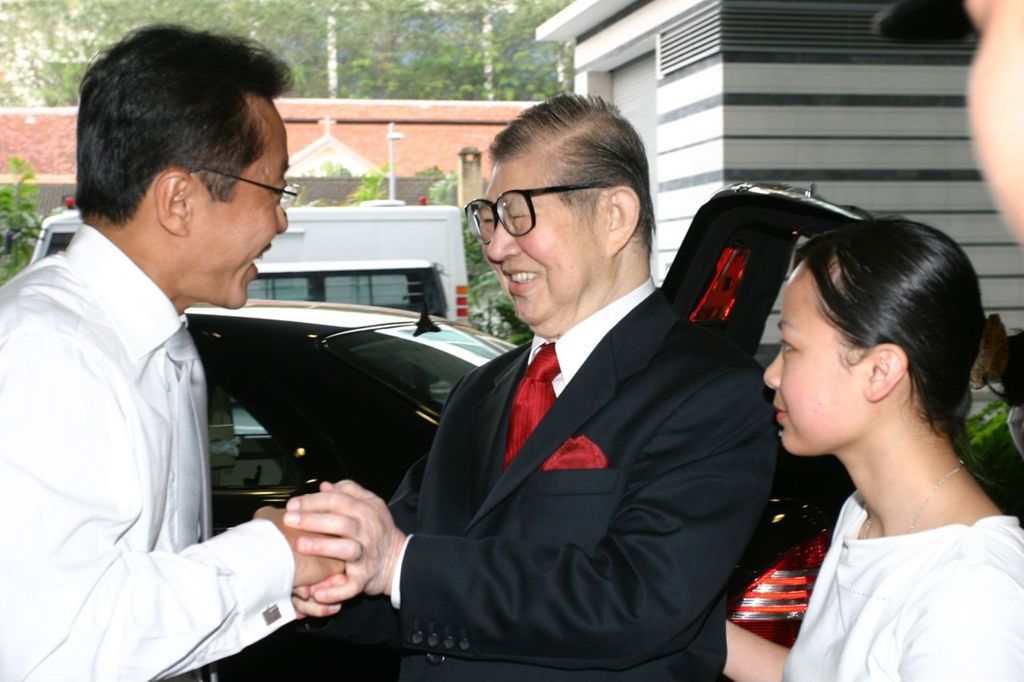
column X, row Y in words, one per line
column 532, row 400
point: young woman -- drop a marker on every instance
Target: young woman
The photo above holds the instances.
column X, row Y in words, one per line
column 924, row 580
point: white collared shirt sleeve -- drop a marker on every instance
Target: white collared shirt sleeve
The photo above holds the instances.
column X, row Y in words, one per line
column 396, row 577
column 90, row 584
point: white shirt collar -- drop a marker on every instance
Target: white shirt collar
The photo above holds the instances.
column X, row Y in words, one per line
column 138, row 309
column 576, row 345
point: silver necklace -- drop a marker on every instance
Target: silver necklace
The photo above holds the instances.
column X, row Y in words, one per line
column 866, row 528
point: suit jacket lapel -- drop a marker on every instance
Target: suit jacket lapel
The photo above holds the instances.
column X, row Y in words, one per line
column 489, row 437
column 624, row 351
column 466, row 472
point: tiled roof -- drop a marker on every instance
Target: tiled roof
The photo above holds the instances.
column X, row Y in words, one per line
column 434, row 132
column 44, row 137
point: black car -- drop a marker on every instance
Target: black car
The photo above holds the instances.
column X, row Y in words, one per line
column 306, row 392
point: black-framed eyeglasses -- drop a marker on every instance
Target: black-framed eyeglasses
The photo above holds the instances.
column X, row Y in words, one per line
column 289, row 193
column 513, row 209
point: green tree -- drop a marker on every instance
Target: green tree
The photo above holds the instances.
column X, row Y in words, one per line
column 490, row 309
column 374, row 185
column 445, row 191
column 332, row 169
column 396, row 49
column 46, row 45
column 19, row 220
column 431, row 172
column 993, row 458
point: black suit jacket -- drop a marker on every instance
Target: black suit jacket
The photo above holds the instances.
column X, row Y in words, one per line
column 587, row 574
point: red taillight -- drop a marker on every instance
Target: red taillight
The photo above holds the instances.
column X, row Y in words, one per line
column 462, row 302
column 773, row 606
column 720, row 296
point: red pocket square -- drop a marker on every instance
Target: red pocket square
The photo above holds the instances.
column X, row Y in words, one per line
column 576, row 453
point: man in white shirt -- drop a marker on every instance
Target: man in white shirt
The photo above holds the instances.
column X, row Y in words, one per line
column 596, row 546
column 181, row 162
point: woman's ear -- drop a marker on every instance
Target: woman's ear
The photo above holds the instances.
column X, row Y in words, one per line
column 173, row 193
column 886, row 366
column 624, row 216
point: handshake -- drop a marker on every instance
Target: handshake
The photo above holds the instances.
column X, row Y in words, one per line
column 344, row 541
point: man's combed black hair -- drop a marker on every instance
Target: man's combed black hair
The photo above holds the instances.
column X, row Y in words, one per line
column 167, row 96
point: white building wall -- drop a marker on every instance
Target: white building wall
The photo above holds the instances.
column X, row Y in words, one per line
column 800, row 92
column 633, row 89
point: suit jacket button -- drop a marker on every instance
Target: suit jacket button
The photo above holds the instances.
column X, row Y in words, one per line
column 464, row 644
column 448, row 642
column 417, row 637
column 433, row 639
column 435, row 659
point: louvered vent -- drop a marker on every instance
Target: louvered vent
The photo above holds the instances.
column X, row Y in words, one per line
column 696, row 37
column 780, row 28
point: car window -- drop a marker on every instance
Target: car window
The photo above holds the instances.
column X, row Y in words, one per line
column 424, row 367
column 59, row 242
column 290, row 288
column 243, row 454
column 403, row 289
column 391, row 290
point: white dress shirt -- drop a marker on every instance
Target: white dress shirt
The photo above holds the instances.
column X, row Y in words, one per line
column 576, row 345
column 572, row 350
column 95, row 583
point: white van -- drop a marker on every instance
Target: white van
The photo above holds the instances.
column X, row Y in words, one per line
column 405, row 284
column 347, row 233
column 56, row 232
column 334, row 233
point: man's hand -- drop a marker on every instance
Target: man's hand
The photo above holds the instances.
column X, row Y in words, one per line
column 306, row 605
column 365, row 538
column 309, row 570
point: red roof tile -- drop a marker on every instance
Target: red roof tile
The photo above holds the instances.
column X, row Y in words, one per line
column 44, row 137
column 434, row 132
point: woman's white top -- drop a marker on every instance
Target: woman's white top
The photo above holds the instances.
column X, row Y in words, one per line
column 941, row 604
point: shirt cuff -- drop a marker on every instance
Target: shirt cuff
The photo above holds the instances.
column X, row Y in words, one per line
column 262, row 569
column 396, row 578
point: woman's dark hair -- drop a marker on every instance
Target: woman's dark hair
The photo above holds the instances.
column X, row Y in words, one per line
column 168, row 96
column 595, row 144
column 901, row 282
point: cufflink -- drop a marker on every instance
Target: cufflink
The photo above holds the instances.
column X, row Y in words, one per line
column 271, row 614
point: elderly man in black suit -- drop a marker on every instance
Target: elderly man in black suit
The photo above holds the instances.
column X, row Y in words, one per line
column 587, row 495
